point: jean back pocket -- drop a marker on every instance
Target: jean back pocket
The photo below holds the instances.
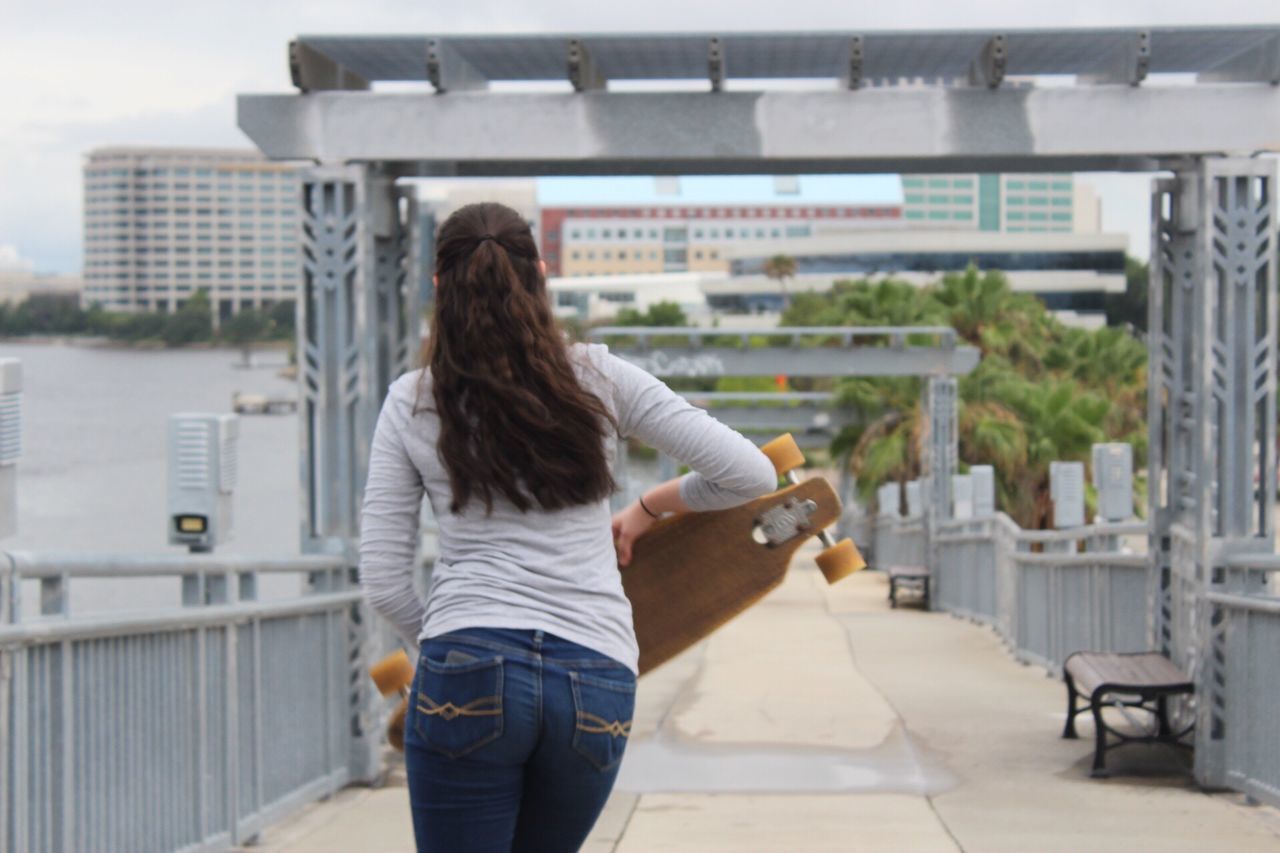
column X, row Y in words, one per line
column 459, row 705
column 603, row 709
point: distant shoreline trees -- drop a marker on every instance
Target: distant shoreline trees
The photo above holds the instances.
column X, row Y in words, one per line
column 57, row 314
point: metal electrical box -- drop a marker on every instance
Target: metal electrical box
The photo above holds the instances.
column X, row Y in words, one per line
column 915, row 499
column 984, row 490
column 203, row 453
column 1113, row 480
column 889, row 499
column 961, row 496
column 10, row 442
column 1066, row 490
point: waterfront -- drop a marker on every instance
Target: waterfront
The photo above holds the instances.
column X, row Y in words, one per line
column 92, row 476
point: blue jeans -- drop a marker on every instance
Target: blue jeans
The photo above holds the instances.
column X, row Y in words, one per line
column 513, row 740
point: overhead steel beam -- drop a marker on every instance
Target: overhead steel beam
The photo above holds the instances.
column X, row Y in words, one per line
column 988, row 68
column 1129, row 63
column 671, row 133
column 447, row 71
column 852, row 78
column 312, row 71
column 583, row 73
column 715, row 63
column 1259, row 64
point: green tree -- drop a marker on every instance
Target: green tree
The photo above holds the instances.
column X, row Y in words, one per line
column 1042, row 392
column 282, row 315
column 658, row 314
column 245, row 326
column 191, row 323
column 780, row 268
column 1130, row 308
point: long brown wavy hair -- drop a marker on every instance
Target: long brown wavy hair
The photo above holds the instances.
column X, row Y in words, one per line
column 514, row 420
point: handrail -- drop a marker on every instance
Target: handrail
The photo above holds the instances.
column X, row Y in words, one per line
column 1268, row 604
column 1088, row 558
column 1070, row 534
column 172, row 619
column 29, row 564
column 1260, row 562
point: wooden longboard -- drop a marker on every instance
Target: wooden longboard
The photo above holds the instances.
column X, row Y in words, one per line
column 691, row 573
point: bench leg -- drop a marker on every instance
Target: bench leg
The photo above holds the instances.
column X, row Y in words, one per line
column 1069, row 730
column 1100, row 741
column 925, row 602
column 1162, row 716
column 893, row 593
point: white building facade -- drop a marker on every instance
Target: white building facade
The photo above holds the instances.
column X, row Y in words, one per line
column 162, row 223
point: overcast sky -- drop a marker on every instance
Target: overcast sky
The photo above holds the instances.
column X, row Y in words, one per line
column 78, row 74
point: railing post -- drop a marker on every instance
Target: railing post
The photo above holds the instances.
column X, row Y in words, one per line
column 939, row 463
column 1211, row 411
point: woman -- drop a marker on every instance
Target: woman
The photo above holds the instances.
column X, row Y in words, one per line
column 522, row 701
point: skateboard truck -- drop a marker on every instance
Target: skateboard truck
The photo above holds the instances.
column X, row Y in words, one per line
column 787, row 520
column 838, row 559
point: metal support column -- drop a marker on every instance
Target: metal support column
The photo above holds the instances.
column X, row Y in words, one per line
column 357, row 331
column 1211, row 411
column 940, row 454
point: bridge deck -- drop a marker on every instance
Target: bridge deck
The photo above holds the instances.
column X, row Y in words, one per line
column 870, row 730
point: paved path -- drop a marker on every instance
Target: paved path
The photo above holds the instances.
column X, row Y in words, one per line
column 821, row 720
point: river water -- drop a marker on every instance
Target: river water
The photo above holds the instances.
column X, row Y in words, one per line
column 92, row 475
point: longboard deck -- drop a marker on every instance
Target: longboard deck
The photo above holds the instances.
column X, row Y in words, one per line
column 691, row 573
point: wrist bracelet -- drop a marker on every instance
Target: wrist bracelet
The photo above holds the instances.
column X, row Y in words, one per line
column 651, row 513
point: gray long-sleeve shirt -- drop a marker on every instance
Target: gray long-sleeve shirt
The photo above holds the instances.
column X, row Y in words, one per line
column 553, row 570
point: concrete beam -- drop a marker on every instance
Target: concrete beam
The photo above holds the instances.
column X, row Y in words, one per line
column 670, row 133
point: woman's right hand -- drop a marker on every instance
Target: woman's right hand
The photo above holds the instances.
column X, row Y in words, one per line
column 629, row 524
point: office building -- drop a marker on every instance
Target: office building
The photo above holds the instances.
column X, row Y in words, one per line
column 1000, row 202
column 1070, row 273
column 162, row 223
column 600, row 240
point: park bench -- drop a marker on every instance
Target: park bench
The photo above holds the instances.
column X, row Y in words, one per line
column 1142, row 680
column 911, row 577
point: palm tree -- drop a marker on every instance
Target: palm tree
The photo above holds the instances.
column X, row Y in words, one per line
column 780, row 268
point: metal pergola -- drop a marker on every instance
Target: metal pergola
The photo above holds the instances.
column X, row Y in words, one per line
column 1196, row 102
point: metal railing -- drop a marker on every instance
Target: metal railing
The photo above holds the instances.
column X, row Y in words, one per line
column 1245, row 620
column 1078, row 591
column 184, row 727
column 898, row 542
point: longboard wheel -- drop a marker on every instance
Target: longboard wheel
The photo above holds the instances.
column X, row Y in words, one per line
column 840, row 560
column 784, row 453
column 392, row 673
column 395, row 726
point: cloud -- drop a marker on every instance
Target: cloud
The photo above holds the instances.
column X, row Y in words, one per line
column 11, row 259
column 86, row 74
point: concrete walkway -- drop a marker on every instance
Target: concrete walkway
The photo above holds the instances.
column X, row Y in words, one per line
column 821, row 720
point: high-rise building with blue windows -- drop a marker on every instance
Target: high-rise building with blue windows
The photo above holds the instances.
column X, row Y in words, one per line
column 1000, row 202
